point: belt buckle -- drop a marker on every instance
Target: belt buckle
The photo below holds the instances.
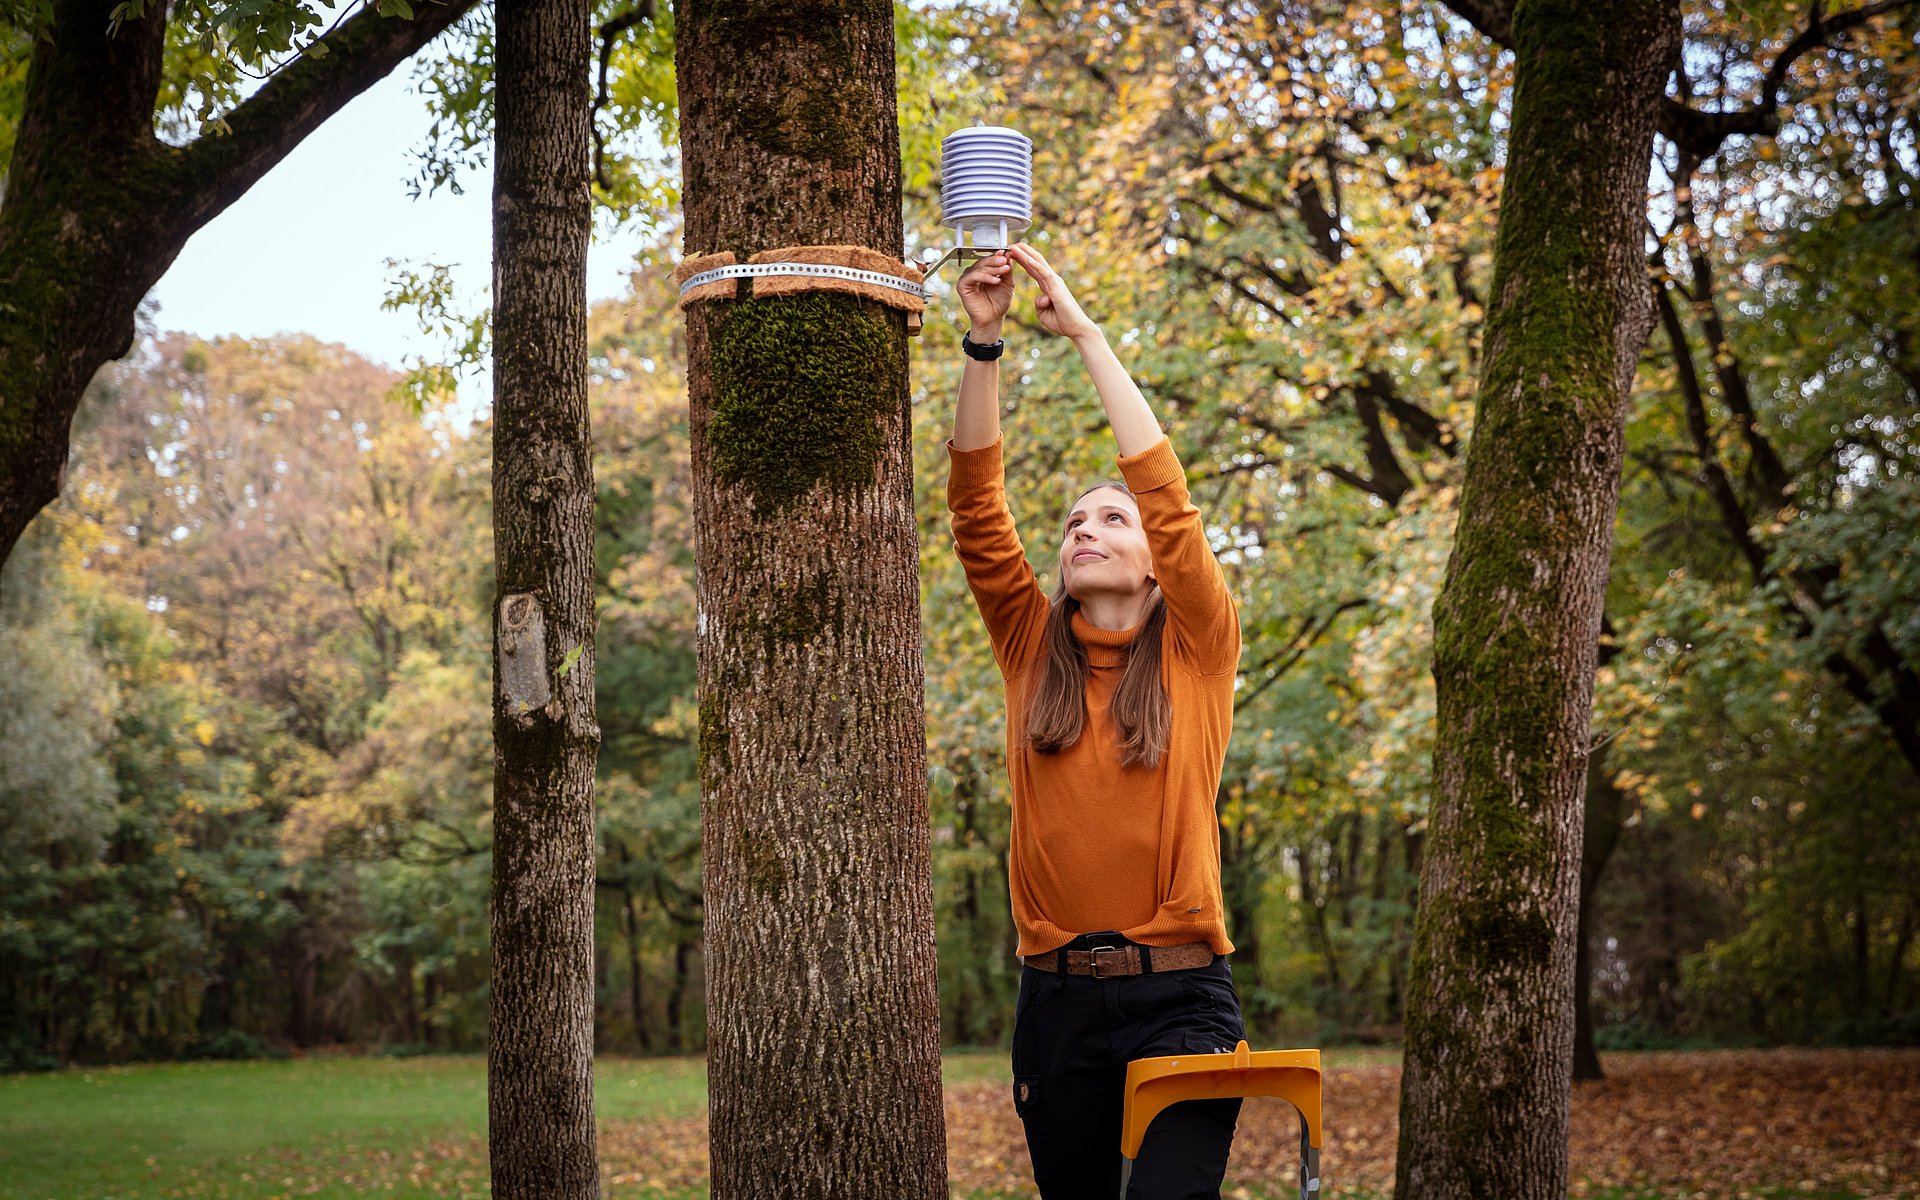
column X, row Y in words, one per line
column 1093, row 963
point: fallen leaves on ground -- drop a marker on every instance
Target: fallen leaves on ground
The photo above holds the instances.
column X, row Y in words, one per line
column 1718, row 1125
column 454, row 1167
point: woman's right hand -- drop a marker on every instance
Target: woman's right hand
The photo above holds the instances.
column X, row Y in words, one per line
column 986, row 292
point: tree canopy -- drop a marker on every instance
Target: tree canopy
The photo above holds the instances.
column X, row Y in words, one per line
column 255, row 614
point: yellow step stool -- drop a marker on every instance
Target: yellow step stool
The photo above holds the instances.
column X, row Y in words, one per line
column 1292, row 1075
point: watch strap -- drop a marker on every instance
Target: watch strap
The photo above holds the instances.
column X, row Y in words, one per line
column 983, row 353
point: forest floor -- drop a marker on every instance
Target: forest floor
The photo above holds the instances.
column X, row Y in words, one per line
column 1711, row 1125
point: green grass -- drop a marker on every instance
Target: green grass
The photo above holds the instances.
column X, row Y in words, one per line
column 244, row 1129
column 975, row 1066
column 151, row 1130
column 128, row 1131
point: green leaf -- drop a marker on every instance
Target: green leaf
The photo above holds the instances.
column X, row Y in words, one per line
column 573, row 656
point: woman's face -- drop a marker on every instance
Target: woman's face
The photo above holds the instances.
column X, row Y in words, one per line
column 1103, row 550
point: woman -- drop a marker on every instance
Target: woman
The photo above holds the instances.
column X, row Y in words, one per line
column 1119, row 694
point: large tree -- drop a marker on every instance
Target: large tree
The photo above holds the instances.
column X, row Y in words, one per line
column 1490, row 1017
column 546, row 740
column 823, row 1022
column 96, row 206
column 1747, row 99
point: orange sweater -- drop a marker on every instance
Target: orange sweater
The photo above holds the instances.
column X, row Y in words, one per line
column 1096, row 846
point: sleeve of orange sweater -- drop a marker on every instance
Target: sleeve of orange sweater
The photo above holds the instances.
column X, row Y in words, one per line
column 1202, row 612
column 984, row 536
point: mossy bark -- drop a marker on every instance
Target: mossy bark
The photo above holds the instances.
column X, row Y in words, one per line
column 96, row 207
column 823, row 1018
column 541, row 1138
column 1490, row 1016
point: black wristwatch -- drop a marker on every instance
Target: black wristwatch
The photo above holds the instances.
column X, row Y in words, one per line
column 983, row 353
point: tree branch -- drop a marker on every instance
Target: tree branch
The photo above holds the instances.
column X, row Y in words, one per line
column 1390, row 481
column 1313, row 628
column 1732, row 509
column 610, row 33
column 1242, row 198
column 215, row 170
column 1765, row 472
column 1491, row 17
column 1422, row 429
column 1701, row 134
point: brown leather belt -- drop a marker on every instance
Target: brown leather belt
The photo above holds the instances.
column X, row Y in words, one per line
column 1105, row 962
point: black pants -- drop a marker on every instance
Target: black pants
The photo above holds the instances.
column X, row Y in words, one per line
column 1073, row 1037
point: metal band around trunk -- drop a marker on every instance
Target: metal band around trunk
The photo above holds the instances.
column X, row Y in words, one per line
column 743, row 270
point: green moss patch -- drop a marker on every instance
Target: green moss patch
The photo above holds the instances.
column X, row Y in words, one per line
column 800, row 386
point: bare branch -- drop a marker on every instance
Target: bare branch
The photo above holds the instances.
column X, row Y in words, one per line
column 1276, row 665
column 217, row 169
column 1491, row 17
column 610, row 33
column 1701, row 134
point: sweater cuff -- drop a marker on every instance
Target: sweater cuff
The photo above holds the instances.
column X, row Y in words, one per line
column 1154, row 467
column 972, row 470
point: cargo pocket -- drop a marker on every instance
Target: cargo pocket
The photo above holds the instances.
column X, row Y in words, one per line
column 1211, row 993
column 1206, row 1041
column 1026, row 1096
column 1024, row 1035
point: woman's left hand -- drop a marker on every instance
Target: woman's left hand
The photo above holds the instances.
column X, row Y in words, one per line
column 1058, row 311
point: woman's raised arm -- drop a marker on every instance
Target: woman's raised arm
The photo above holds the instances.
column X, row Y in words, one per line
column 1202, row 612
column 986, row 290
column 1003, row 584
column 1134, row 426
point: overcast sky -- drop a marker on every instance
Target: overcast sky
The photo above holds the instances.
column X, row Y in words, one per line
column 304, row 250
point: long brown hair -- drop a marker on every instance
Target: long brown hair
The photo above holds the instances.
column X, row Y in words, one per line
column 1057, row 700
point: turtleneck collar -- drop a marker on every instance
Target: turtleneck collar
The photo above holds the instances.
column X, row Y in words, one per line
column 1105, row 647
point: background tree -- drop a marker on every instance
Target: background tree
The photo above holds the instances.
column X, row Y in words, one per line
column 649, row 804
column 1204, row 166
column 1761, row 539
column 250, row 536
column 1484, row 1091
column 540, row 1045
column 823, row 1023
column 247, row 522
column 97, row 205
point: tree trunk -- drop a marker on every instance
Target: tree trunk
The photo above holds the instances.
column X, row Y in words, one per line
column 1241, row 881
column 409, row 999
column 630, row 917
column 1316, row 913
column 96, row 207
column 540, row 1047
column 1485, row 1090
column 1604, row 809
column 677, row 998
column 1604, row 814
column 823, row 1024
column 966, row 803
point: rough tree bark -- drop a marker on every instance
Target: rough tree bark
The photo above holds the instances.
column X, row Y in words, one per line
column 96, row 207
column 823, row 1020
column 1484, row 1094
column 540, row 1046
column 1605, row 811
